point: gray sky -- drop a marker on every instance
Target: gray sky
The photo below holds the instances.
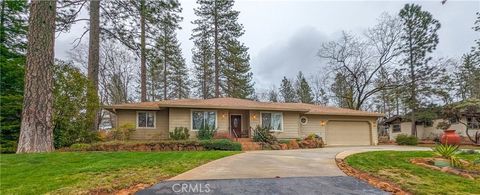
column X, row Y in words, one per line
column 284, row 36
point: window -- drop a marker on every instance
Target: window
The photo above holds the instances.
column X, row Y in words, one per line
column 396, row 128
column 272, row 120
column 204, row 118
column 473, row 122
column 303, row 120
column 145, row 119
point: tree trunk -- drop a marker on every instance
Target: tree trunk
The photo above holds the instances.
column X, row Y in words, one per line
column 36, row 131
column 2, row 23
column 143, row 66
column 165, row 69
column 216, row 53
column 413, row 97
column 93, row 63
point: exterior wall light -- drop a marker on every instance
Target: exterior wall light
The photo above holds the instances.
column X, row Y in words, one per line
column 322, row 123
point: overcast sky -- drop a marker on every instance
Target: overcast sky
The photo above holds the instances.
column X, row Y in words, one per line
column 283, row 36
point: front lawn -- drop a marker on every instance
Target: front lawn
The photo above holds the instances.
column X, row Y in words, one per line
column 84, row 172
column 395, row 166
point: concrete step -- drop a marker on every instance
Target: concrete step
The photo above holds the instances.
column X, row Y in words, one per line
column 243, row 140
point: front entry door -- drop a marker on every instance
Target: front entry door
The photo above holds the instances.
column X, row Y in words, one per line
column 236, row 125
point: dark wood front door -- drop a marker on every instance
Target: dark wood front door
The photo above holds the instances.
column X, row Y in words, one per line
column 236, row 125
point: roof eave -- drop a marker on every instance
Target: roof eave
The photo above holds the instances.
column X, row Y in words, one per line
column 232, row 107
column 347, row 114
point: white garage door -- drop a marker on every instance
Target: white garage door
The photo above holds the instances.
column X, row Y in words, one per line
column 347, row 133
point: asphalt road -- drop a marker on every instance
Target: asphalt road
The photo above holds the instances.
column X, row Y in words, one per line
column 327, row 185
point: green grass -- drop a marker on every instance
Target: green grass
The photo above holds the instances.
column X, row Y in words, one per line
column 83, row 172
column 395, row 167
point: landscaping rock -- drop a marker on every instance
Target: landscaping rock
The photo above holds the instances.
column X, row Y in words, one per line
column 293, row 144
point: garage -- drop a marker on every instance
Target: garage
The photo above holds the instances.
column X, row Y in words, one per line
column 347, row 133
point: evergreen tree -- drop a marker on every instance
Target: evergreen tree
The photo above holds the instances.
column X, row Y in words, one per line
column 179, row 83
column 419, row 38
column 13, row 30
column 203, row 70
column 272, row 95
column 304, row 92
column 342, row 91
column 468, row 77
column 216, row 45
column 287, row 91
column 236, row 73
column 135, row 24
column 168, row 72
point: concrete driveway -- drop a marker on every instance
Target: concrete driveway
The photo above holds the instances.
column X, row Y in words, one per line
column 310, row 171
column 280, row 163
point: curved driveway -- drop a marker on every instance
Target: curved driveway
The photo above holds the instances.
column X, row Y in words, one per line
column 280, row 163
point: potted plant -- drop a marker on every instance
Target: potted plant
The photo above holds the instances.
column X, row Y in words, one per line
column 449, row 136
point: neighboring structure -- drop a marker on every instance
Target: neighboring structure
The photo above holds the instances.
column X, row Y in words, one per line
column 428, row 129
column 237, row 117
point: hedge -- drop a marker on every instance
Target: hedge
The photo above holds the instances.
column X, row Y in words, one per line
column 221, row 144
column 180, row 145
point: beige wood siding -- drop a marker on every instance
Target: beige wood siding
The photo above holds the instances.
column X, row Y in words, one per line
column 291, row 125
column 182, row 117
column 159, row 132
column 347, row 133
column 314, row 125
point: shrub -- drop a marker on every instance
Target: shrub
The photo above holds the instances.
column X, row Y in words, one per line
column 206, row 132
column 123, row 132
column 80, row 147
column 404, row 139
column 221, row 144
column 180, row 133
column 448, row 152
column 263, row 135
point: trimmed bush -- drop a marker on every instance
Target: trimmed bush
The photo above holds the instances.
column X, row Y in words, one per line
column 80, row 147
column 180, row 133
column 221, row 144
column 404, row 139
column 181, row 145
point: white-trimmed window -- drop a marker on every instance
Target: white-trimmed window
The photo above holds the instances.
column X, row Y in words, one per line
column 272, row 120
column 146, row 119
column 203, row 118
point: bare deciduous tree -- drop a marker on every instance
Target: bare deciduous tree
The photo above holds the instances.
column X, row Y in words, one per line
column 360, row 59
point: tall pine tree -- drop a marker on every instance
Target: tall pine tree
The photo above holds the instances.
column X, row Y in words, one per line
column 168, row 72
column 136, row 25
column 236, row 73
column 418, row 39
column 287, row 91
column 304, row 92
column 217, row 51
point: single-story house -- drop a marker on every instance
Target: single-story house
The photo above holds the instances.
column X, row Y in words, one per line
column 237, row 117
column 428, row 129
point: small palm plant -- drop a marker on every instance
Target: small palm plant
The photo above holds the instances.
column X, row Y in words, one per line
column 448, row 152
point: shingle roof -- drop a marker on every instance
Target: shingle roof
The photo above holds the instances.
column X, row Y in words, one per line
column 242, row 104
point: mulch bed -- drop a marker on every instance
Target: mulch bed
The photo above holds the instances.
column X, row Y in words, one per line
column 370, row 179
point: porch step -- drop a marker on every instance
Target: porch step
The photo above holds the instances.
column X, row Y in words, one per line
column 243, row 140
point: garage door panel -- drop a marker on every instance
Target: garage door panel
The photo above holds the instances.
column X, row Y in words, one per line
column 348, row 133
